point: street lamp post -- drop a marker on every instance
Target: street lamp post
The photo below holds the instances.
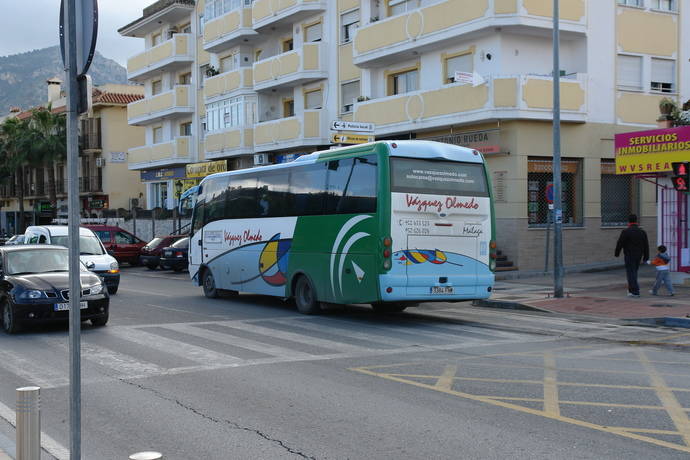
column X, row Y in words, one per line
column 556, row 168
column 178, row 190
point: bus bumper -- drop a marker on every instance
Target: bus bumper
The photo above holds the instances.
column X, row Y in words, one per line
column 400, row 288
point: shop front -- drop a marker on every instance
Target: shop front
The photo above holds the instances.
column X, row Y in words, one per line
column 650, row 155
column 160, row 185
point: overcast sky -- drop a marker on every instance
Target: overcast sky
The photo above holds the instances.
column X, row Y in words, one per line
column 31, row 24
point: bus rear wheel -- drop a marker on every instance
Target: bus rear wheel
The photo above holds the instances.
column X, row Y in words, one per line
column 209, row 285
column 388, row 307
column 305, row 297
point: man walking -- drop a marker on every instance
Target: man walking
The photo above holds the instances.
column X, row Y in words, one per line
column 633, row 241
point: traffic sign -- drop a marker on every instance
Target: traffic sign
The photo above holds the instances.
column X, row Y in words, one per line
column 548, row 193
column 681, row 176
column 356, row 126
column 350, row 138
column 87, row 33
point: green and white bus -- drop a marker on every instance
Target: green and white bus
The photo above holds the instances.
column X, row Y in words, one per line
column 390, row 224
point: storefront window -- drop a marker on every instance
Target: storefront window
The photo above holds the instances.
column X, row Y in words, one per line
column 159, row 194
column 540, row 192
column 619, row 195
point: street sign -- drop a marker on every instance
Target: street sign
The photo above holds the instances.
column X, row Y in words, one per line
column 356, row 126
column 350, row 138
column 681, row 176
column 548, row 194
column 87, row 32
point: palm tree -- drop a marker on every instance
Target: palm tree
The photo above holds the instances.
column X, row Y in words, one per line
column 13, row 150
column 48, row 146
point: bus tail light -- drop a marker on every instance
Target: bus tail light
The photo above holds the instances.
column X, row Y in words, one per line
column 492, row 255
column 387, row 243
column 387, row 264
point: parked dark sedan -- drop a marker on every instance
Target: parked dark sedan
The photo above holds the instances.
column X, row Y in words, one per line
column 34, row 287
column 151, row 253
column 176, row 256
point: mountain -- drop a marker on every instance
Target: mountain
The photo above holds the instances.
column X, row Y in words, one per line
column 23, row 76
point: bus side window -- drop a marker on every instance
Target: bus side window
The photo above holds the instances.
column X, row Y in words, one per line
column 274, row 200
column 308, row 189
column 352, row 185
column 198, row 217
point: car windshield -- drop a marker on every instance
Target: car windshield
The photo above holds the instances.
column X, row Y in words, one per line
column 181, row 244
column 88, row 245
column 36, row 261
column 154, row 242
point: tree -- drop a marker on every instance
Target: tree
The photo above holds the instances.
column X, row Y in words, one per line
column 15, row 140
column 48, row 135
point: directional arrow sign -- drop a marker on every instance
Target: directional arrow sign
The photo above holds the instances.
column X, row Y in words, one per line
column 356, row 126
column 348, row 138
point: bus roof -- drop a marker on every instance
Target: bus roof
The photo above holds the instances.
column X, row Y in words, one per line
column 429, row 150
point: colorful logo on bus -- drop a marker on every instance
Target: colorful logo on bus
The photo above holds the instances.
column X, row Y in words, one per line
column 420, row 256
column 273, row 261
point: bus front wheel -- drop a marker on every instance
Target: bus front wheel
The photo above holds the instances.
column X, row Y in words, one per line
column 305, row 297
column 209, row 285
column 388, row 307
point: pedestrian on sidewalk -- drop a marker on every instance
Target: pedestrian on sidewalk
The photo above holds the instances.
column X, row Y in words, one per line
column 663, row 274
column 633, row 241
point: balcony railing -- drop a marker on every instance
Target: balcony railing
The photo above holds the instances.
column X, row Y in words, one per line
column 272, row 12
column 231, row 28
column 229, row 142
column 293, row 68
column 307, row 128
column 90, row 184
column 176, row 53
column 441, row 23
column 177, row 102
column 177, row 151
column 228, row 82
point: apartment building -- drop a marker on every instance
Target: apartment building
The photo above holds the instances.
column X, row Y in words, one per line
column 105, row 181
column 268, row 77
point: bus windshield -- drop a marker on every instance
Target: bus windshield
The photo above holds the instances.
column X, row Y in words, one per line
column 434, row 177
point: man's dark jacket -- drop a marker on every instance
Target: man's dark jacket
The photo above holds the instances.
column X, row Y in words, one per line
column 633, row 242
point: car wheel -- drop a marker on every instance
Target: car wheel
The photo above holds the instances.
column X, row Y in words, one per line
column 134, row 262
column 209, row 285
column 10, row 324
column 112, row 290
column 305, row 297
column 388, row 307
column 100, row 321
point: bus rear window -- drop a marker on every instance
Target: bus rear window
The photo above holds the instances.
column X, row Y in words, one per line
column 434, row 177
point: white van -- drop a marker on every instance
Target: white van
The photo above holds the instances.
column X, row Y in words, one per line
column 93, row 253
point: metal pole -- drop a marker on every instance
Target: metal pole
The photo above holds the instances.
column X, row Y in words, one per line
column 73, row 230
column 557, row 201
column 548, row 240
column 28, row 423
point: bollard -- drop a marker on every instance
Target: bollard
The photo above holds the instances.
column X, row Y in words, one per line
column 28, row 423
column 146, row 456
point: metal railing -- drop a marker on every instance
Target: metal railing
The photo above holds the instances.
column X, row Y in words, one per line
column 90, row 184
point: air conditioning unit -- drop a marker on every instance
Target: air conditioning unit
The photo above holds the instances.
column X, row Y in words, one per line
column 100, row 162
column 261, row 159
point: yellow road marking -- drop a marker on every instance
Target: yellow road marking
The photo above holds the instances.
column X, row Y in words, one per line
column 644, row 430
column 528, row 410
column 550, row 385
column 668, row 399
column 674, row 336
column 445, row 381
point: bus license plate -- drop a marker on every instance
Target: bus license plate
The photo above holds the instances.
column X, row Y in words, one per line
column 65, row 306
column 442, row 289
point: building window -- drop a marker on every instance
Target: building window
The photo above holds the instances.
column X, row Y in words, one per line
column 629, row 72
column 186, row 28
column 288, row 107
column 630, row 2
column 288, row 45
column 663, row 75
column 457, row 63
column 349, row 93
column 257, row 55
column 401, row 6
column 156, row 39
column 186, row 78
column 186, row 129
column 313, row 32
column 349, row 22
column 217, row 8
column 157, row 134
column 228, row 63
column 230, row 113
column 202, row 25
column 156, row 87
column 159, row 195
column 540, row 191
column 313, row 99
column 619, row 195
column 403, row 82
column 665, row 5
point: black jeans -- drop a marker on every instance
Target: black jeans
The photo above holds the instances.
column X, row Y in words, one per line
column 632, row 264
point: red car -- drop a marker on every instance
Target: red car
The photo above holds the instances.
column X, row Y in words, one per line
column 121, row 244
column 151, row 253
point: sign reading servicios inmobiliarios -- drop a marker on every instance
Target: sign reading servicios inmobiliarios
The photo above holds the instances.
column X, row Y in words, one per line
column 653, row 151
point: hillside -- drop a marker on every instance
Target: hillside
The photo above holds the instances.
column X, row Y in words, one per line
column 23, row 76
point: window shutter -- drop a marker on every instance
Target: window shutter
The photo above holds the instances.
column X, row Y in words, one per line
column 630, row 71
column 663, row 70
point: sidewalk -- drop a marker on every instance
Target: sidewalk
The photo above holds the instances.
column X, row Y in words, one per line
column 602, row 294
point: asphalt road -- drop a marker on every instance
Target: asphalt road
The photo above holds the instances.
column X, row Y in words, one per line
column 250, row 378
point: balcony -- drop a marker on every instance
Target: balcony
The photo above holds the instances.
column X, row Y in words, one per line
column 501, row 97
column 450, row 21
column 293, row 68
column 280, row 12
column 169, row 153
column 160, row 12
column 230, row 142
column 228, row 82
column 174, row 103
column 309, row 128
column 91, row 184
column 171, row 55
column 228, row 30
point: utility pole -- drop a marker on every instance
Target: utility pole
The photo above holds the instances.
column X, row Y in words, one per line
column 556, row 168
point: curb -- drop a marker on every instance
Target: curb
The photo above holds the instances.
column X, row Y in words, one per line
column 506, row 305
column 668, row 321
